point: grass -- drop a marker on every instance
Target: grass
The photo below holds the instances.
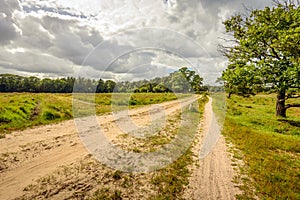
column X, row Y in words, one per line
column 270, row 146
column 18, row 111
column 22, row 110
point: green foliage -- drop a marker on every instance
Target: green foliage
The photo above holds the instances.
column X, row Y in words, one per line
column 15, row 83
column 266, row 53
column 182, row 81
column 48, row 115
column 270, row 147
column 257, row 112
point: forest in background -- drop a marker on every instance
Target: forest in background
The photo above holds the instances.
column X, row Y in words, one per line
column 181, row 81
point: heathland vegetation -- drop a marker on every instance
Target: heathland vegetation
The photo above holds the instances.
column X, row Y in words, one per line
column 39, row 105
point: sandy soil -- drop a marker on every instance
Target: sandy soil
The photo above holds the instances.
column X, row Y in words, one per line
column 212, row 173
column 51, row 162
column 26, row 157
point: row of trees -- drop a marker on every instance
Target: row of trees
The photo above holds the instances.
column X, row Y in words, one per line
column 15, row 83
column 182, row 81
column 265, row 53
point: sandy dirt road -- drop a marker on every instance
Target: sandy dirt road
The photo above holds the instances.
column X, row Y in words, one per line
column 212, row 173
column 33, row 153
column 51, row 161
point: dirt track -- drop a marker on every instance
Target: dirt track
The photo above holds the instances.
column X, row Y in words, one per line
column 213, row 173
column 31, row 160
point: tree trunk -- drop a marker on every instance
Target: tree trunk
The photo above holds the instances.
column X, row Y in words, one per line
column 280, row 104
column 229, row 95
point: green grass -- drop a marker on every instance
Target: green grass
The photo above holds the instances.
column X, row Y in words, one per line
column 22, row 110
column 270, row 146
column 18, row 111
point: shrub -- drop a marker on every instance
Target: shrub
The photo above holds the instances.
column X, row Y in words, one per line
column 51, row 116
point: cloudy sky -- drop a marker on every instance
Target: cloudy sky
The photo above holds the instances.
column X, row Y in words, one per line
column 114, row 39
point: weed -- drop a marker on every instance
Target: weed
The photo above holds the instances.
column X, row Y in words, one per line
column 117, row 175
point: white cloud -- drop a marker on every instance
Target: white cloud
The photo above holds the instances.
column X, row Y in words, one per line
column 137, row 38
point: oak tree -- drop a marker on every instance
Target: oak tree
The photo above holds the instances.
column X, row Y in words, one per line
column 265, row 53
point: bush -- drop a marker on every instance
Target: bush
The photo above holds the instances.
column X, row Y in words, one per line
column 51, row 116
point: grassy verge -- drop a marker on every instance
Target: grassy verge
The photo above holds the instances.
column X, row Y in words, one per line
column 270, row 146
column 22, row 110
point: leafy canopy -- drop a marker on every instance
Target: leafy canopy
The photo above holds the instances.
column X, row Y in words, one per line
column 265, row 51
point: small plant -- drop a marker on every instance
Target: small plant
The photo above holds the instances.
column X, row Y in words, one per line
column 117, row 195
column 49, row 115
column 117, row 175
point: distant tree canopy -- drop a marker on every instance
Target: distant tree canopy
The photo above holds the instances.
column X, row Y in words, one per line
column 265, row 53
column 15, row 83
column 183, row 81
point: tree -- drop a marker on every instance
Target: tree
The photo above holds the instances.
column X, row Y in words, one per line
column 100, row 86
column 109, row 86
column 194, row 81
column 179, row 82
column 265, row 52
column 241, row 80
column 31, row 84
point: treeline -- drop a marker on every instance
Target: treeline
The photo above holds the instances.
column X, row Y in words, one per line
column 181, row 81
column 15, row 83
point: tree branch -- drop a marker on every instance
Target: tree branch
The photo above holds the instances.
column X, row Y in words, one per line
column 290, row 96
column 292, row 106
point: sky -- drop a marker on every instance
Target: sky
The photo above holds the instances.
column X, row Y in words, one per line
column 121, row 40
